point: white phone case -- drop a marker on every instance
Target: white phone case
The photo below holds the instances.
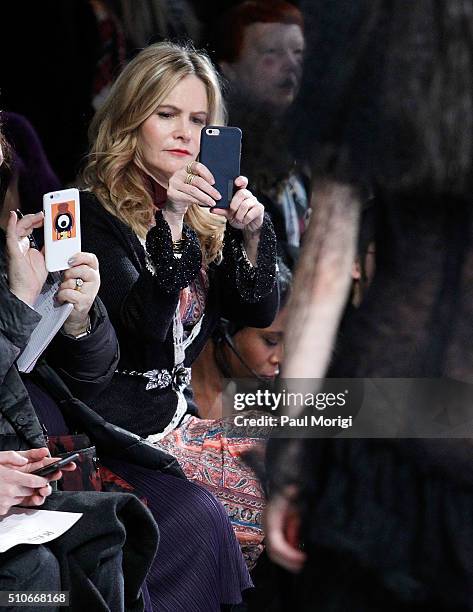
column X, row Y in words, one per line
column 61, row 227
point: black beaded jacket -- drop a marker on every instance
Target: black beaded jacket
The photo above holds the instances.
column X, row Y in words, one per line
column 140, row 289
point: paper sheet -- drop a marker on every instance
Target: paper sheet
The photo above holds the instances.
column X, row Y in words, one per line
column 53, row 317
column 31, row 526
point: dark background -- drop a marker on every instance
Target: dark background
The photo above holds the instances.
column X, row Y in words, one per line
column 49, row 51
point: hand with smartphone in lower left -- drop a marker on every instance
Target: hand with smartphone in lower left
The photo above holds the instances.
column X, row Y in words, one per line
column 18, row 485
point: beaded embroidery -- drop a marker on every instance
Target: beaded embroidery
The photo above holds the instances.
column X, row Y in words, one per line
column 172, row 273
column 253, row 282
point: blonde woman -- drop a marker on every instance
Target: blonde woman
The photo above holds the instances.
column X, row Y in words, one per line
column 171, row 264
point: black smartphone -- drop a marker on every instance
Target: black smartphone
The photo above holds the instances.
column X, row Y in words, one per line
column 220, row 151
column 57, row 465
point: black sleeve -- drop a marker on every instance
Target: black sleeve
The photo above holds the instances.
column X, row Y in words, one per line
column 17, row 322
column 86, row 365
column 249, row 293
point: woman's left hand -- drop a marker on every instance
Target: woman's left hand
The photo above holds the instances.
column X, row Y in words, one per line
column 245, row 212
column 26, row 267
column 80, row 285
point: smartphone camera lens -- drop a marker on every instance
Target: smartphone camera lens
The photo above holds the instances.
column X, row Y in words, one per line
column 51, row 196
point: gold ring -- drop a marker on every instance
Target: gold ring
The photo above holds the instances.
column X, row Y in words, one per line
column 79, row 283
column 189, row 168
column 189, row 178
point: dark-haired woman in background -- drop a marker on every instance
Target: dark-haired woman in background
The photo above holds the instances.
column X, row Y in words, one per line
column 206, row 448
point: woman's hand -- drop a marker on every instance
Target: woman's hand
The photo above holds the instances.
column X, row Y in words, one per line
column 245, row 212
column 182, row 193
column 26, row 266
column 38, row 458
column 80, row 285
column 186, row 188
column 18, row 485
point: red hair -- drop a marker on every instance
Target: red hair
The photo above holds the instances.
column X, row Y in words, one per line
column 233, row 23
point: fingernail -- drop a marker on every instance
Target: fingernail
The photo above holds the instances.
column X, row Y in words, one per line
column 219, row 197
column 71, row 260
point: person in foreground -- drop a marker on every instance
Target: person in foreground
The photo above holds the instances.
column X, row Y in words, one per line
column 171, row 262
column 101, row 563
column 385, row 519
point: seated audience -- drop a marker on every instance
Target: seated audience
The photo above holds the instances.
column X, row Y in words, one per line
column 102, row 564
column 178, row 505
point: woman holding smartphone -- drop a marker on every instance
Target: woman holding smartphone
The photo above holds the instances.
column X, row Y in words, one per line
column 171, row 262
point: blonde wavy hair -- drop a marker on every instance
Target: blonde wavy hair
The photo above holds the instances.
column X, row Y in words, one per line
column 114, row 171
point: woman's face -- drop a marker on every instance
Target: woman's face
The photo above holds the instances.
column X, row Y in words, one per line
column 170, row 138
column 260, row 349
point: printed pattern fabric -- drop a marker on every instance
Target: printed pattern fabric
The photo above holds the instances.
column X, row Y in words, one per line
column 212, row 458
column 192, row 299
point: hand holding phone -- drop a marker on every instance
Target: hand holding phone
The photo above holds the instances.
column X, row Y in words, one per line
column 51, row 468
column 26, row 268
column 62, row 238
column 220, row 151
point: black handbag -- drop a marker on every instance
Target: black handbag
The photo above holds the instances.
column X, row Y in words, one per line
column 109, row 439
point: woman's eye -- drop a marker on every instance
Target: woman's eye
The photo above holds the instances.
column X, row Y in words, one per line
column 198, row 120
column 271, row 342
column 164, row 115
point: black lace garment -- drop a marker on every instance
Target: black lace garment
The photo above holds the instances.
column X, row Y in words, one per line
column 387, row 100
